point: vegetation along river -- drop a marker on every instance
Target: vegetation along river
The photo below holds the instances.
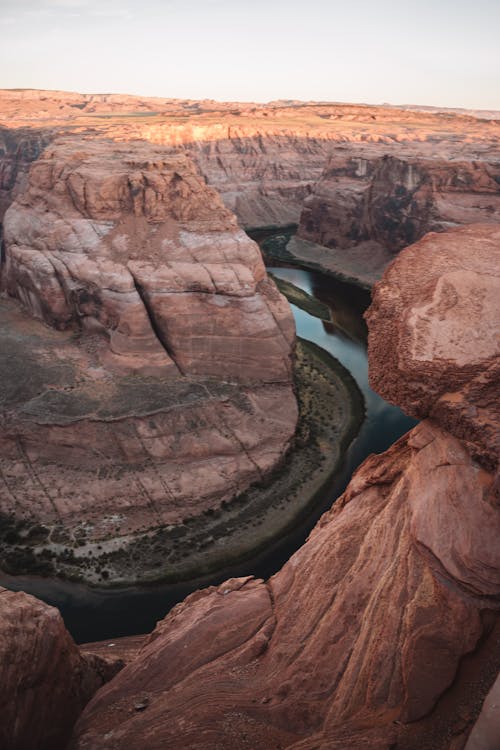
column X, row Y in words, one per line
column 94, row 614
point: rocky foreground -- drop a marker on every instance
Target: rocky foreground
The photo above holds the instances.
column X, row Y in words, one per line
column 382, row 631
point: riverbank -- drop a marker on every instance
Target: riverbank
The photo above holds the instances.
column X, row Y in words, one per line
column 362, row 265
column 331, row 412
column 302, row 299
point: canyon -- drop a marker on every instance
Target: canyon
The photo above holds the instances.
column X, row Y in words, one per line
column 152, row 381
column 401, row 577
column 382, row 631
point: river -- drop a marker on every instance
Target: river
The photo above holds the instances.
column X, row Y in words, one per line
column 95, row 614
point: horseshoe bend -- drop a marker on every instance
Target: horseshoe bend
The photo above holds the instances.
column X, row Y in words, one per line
column 167, row 415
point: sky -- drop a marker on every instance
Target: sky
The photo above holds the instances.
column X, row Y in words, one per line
column 436, row 52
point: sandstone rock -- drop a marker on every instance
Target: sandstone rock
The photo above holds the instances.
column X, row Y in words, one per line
column 18, row 148
column 97, row 460
column 433, row 334
column 165, row 388
column 44, row 680
column 486, row 732
column 395, row 200
column 365, row 625
column 134, row 245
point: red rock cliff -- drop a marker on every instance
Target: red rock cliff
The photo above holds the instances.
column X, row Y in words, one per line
column 381, row 631
column 165, row 385
column 365, row 208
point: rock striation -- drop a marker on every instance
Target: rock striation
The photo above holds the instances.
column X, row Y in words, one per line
column 360, row 638
column 163, row 384
column 367, row 207
column 44, row 679
column 136, row 246
column 263, row 159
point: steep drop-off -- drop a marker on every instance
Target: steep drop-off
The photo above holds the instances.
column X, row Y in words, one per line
column 165, row 387
column 388, row 610
column 366, row 208
column 264, row 159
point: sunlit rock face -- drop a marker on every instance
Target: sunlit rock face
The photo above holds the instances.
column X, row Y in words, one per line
column 44, row 679
column 361, row 639
column 162, row 385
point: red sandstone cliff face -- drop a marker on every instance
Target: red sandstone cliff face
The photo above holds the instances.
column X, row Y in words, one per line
column 263, row 159
column 371, row 206
column 164, row 387
column 44, row 679
column 387, row 610
column 134, row 245
column 365, row 626
column 17, row 150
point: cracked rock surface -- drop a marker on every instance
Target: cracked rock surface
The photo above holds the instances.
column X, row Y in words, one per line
column 161, row 384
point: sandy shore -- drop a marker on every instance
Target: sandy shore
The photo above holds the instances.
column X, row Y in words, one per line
column 362, row 265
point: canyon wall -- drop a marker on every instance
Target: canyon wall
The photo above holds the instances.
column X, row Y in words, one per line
column 18, row 148
column 44, row 679
column 382, row 630
column 365, row 208
column 264, row 159
column 163, row 386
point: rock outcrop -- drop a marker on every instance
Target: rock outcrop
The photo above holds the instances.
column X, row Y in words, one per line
column 434, row 325
column 486, row 730
column 18, row 149
column 44, row 679
column 366, row 207
column 360, row 638
column 165, row 385
column 133, row 244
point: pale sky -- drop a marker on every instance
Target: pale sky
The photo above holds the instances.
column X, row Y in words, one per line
column 437, row 52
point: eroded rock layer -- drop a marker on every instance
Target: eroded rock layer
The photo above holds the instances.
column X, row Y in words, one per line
column 367, row 207
column 163, row 386
column 134, row 245
column 392, row 607
column 389, row 608
column 44, row 679
column 434, row 335
column 264, row 159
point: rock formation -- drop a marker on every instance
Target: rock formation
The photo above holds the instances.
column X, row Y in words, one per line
column 486, row 730
column 434, row 326
column 366, row 207
column 264, row 159
column 18, row 148
column 135, row 245
column 387, row 610
column 44, row 679
column 165, row 388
